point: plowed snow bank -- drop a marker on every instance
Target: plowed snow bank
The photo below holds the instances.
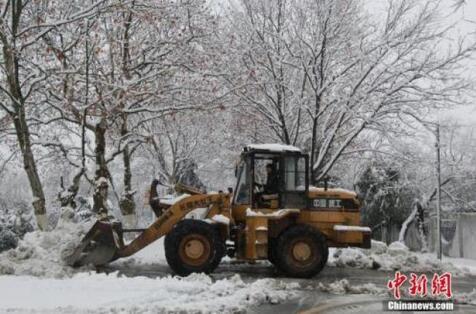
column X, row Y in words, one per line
column 41, row 253
column 394, row 257
column 101, row 293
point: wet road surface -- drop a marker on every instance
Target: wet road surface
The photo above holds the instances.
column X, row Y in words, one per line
column 310, row 295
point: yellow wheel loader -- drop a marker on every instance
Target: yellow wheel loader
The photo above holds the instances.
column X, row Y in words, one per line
column 292, row 226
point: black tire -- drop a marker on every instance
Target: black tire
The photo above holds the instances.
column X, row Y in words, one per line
column 272, row 250
column 304, row 241
column 325, row 255
column 188, row 233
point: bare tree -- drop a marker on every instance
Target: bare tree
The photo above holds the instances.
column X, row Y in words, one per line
column 22, row 28
column 136, row 63
column 343, row 72
column 264, row 81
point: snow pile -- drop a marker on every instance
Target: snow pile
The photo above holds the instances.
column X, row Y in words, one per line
column 101, row 293
column 397, row 248
column 343, row 287
column 41, row 253
column 464, row 263
column 351, row 257
column 394, row 257
column 466, row 298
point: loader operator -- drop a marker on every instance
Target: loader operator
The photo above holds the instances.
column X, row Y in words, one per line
column 271, row 188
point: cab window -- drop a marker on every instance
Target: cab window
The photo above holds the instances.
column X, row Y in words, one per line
column 295, row 173
column 242, row 195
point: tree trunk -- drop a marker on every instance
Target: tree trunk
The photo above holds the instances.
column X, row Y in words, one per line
column 127, row 204
column 102, row 174
column 67, row 196
column 18, row 115
column 29, row 164
column 313, row 150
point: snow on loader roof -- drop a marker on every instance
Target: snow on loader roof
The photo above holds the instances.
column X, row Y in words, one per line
column 273, row 147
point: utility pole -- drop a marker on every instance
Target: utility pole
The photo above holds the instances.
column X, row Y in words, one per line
column 438, row 192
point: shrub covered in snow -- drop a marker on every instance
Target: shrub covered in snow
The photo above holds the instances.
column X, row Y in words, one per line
column 8, row 239
column 14, row 224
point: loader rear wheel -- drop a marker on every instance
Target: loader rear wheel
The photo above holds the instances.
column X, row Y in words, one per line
column 272, row 250
column 301, row 251
column 193, row 246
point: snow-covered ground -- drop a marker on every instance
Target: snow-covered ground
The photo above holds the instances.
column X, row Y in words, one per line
column 104, row 293
column 396, row 256
column 152, row 254
column 36, row 280
column 463, row 263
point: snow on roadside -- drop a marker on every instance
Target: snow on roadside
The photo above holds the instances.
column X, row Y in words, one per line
column 101, row 293
column 394, row 257
column 41, row 253
column 466, row 298
column 460, row 262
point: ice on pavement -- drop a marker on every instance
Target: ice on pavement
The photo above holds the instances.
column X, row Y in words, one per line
column 102, row 293
column 42, row 253
column 395, row 256
column 344, row 287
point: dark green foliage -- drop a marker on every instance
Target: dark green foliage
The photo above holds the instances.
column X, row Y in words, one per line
column 387, row 197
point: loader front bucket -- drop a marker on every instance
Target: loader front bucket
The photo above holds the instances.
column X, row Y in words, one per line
column 98, row 247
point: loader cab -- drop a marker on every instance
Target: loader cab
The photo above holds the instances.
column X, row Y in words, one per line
column 290, row 168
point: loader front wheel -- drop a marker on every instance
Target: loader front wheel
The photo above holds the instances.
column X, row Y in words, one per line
column 193, row 246
column 301, row 251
